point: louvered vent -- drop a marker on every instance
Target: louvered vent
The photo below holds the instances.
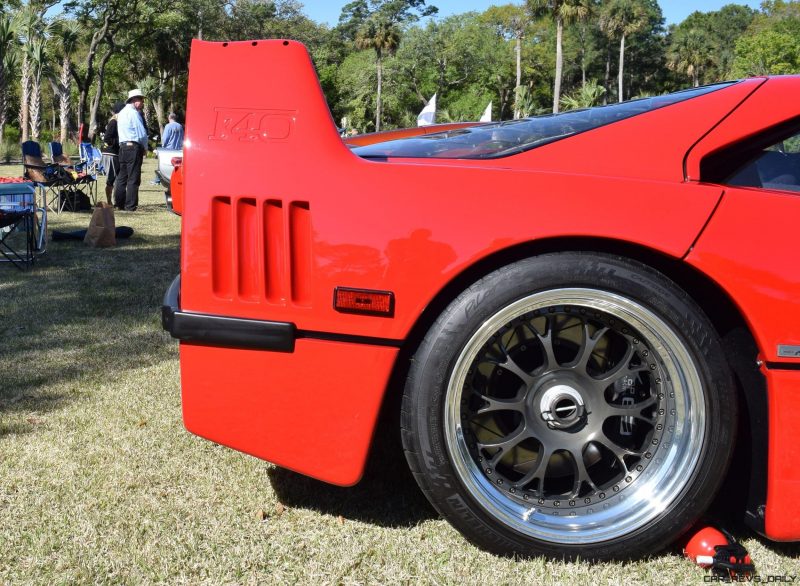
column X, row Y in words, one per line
column 261, row 251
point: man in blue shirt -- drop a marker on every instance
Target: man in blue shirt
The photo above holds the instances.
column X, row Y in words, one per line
column 132, row 146
column 172, row 139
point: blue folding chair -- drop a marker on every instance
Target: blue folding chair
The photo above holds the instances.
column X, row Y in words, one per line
column 23, row 225
column 92, row 158
column 47, row 179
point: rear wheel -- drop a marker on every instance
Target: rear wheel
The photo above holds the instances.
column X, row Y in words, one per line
column 570, row 405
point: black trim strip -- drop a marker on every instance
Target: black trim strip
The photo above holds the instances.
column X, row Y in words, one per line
column 349, row 338
column 783, row 365
column 251, row 334
column 218, row 330
column 231, row 332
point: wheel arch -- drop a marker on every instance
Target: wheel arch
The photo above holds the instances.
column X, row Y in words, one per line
column 738, row 342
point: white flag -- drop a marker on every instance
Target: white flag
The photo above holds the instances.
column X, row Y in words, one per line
column 487, row 114
column 428, row 114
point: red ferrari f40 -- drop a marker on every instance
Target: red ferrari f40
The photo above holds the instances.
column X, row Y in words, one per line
column 585, row 313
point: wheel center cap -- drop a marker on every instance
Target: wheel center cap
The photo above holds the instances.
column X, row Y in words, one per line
column 561, row 406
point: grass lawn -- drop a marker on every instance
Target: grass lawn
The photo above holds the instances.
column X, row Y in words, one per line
column 100, row 483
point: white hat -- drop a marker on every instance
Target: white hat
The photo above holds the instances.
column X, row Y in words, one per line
column 137, row 93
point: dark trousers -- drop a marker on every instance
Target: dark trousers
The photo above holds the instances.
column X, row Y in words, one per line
column 129, row 176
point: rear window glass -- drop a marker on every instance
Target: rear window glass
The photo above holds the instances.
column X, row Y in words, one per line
column 769, row 160
column 507, row 138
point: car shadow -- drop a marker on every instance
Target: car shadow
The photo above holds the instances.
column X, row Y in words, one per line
column 386, row 496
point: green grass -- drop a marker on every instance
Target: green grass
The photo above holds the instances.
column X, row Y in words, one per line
column 100, row 483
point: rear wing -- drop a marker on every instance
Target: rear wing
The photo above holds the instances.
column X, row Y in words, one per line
column 256, row 115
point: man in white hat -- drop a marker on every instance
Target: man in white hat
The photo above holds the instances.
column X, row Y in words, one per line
column 132, row 147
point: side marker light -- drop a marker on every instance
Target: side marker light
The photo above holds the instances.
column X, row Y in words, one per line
column 363, row 301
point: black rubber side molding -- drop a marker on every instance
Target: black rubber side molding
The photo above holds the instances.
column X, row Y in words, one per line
column 228, row 332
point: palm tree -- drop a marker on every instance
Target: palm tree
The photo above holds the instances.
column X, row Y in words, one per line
column 384, row 37
column 7, row 58
column 690, row 52
column 563, row 12
column 511, row 22
column 154, row 88
column 37, row 57
column 587, row 96
column 29, row 26
column 67, row 33
column 621, row 18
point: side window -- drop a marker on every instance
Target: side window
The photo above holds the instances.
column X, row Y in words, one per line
column 770, row 160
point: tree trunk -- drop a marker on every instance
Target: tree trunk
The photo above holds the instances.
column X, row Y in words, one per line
column 25, row 97
column 696, row 78
column 35, row 106
column 621, row 65
column 378, row 107
column 85, row 84
column 559, row 64
column 101, row 75
column 583, row 55
column 503, row 94
column 172, row 92
column 3, row 90
column 158, row 103
column 607, row 78
column 63, row 99
column 518, row 49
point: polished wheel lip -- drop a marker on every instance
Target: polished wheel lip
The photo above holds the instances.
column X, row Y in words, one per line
column 644, row 500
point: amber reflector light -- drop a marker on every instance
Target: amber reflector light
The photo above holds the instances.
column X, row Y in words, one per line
column 363, row 301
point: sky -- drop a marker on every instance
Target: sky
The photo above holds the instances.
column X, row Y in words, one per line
column 675, row 11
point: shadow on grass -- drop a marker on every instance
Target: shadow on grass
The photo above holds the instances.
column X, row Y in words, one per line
column 386, row 496
column 786, row 549
column 82, row 315
column 42, row 403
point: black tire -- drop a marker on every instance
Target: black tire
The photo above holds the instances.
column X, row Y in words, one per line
column 515, row 411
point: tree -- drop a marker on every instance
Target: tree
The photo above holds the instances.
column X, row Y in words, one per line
column 377, row 25
column 103, row 21
column 588, row 95
column 29, row 24
column 383, row 37
column 768, row 52
column 7, row 56
column 772, row 44
column 511, row 22
column 563, row 12
column 725, row 27
column 690, row 51
column 67, row 34
column 621, row 18
column 37, row 57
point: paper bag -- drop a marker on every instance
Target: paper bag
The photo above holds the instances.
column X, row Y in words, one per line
column 101, row 230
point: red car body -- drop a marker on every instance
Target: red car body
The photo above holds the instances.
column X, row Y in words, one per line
column 279, row 213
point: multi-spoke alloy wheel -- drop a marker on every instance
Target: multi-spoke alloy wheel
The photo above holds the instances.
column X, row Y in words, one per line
column 570, row 404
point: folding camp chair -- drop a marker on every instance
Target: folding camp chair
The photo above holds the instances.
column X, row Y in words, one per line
column 57, row 155
column 23, row 225
column 48, row 179
column 78, row 176
column 92, row 158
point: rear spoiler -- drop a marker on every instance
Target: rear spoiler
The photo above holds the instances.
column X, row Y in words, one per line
column 256, row 117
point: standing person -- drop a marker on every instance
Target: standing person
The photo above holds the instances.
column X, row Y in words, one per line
column 172, row 139
column 111, row 151
column 132, row 146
